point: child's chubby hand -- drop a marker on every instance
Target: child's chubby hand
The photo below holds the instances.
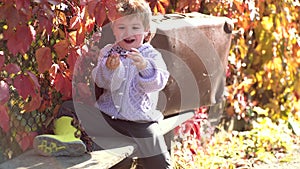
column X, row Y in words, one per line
column 138, row 60
column 113, row 61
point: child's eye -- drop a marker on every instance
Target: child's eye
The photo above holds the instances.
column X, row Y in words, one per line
column 121, row 27
column 136, row 27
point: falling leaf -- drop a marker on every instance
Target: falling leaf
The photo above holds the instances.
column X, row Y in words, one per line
column 44, row 59
column 4, row 120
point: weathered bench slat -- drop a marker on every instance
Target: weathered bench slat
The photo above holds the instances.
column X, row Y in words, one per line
column 103, row 159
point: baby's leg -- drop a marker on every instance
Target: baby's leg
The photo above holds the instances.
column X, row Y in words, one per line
column 152, row 147
column 152, row 150
column 95, row 124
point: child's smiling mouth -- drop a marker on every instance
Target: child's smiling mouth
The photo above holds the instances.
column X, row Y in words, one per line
column 129, row 40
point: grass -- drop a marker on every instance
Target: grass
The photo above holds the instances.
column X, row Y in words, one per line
column 267, row 142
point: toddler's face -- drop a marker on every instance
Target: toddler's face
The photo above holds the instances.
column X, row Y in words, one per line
column 129, row 32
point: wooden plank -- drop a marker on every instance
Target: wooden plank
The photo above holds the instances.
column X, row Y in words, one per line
column 103, row 159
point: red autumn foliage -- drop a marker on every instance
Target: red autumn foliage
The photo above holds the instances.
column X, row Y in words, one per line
column 12, row 68
column 43, row 58
column 24, row 85
column 25, row 139
column 20, row 39
column 61, row 49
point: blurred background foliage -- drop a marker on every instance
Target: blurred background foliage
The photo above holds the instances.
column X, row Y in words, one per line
column 262, row 87
column 40, row 42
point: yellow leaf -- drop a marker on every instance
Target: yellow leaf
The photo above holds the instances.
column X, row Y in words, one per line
column 287, row 158
column 267, row 23
column 61, row 18
column 253, row 92
column 72, row 37
column 266, row 157
column 261, row 111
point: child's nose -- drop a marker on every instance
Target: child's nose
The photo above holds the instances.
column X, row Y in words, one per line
column 127, row 33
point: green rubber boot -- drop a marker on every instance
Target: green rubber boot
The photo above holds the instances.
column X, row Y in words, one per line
column 62, row 143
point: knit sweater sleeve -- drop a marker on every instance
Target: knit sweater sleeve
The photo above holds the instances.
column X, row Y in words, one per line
column 106, row 78
column 155, row 76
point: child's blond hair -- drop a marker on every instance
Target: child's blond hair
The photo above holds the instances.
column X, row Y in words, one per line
column 139, row 8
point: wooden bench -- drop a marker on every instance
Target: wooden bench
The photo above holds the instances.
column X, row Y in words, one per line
column 95, row 160
column 195, row 48
column 102, row 159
